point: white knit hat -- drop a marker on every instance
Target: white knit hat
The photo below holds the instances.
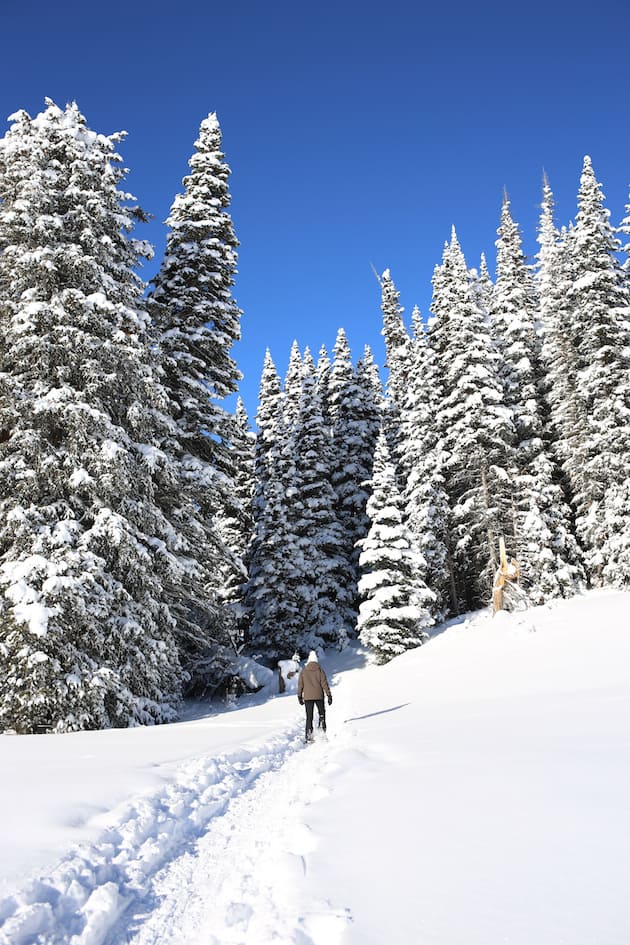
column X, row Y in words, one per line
column 312, row 657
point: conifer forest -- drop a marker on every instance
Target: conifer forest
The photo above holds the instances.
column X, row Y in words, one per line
column 155, row 544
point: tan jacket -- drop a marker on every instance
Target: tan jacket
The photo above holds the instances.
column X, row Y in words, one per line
column 312, row 682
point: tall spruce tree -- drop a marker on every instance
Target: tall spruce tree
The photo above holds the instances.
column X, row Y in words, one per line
column 565, row 411
column 198, row 318
column 326, row 581
column 474, row 425
column 396, row 337
column 397, row 348
column 541, row 541
column 394, row 614
column 85, row 550
column 236, row 529
column 198, row 321
column 274, row 564
column 600, row 333
column 345, row 474
column 427, row 509
column 292, row 387
column 355, row 420
column 322, row 374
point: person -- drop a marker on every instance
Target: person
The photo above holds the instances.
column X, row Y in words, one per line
column 312, row 687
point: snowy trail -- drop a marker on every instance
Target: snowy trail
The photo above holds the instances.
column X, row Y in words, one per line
column 195, row 852
column 241, row 882
column 217, row 856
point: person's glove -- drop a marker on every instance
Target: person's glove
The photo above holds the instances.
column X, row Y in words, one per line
column 300, row 700
column 329, row 700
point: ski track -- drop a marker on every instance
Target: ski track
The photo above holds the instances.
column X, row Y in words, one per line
column 216, row 857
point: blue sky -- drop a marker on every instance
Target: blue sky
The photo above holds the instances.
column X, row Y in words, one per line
column 357, row 133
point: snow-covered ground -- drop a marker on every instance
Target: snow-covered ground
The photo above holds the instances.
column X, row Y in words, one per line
column 476, row 790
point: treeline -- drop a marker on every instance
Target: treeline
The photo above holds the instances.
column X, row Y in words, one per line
column 505, row 415
column 148, row 537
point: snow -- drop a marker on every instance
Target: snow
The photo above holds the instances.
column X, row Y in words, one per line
column 472, row 790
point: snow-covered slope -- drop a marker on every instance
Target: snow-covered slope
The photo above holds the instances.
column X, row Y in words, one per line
column 476, row 790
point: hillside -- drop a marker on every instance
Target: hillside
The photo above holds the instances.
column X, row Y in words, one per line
column 472, row 791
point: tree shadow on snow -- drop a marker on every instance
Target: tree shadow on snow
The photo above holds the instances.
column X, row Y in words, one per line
column 394, row 708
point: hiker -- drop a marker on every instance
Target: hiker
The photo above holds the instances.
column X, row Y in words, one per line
column 312, row 687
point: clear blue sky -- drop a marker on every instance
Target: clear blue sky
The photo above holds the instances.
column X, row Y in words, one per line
column 357, row 133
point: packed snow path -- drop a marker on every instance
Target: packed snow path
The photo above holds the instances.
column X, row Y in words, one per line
column 212, row 858
column 235, row 886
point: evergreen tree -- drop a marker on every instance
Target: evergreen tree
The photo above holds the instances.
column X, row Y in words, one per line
column 427, row 510
column 292, row 387
column 599, row 331
column 269, row 407
column 541, row 541
column 394, row 614
column 322, row 373
column 325, row 585
column 396, row 337
column 474, row 426
column 345, row 473
column 196, row 313
column 198, row 321
column 482, row 285
column 355, row 419
column 236, row 531
column 85, row 550
column 397, row 348
column 513, row 307
column 274, row 568
column 564, row 408
column 368, row 419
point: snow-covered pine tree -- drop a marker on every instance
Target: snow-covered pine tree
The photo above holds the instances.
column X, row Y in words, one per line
column 269, row 407
column 600, row 333
column 541, row 539
column 482, row 285
column 198, row 321
column 292, row 387
column 322, row 374
column 309, row 362
column 196, row 314
column 368, row 419
column 394, row 614
column 565, row 413
column 369, row 410
column 397, row 348
column 474, row 426
column 342, row 397
column 85, row 551
column 369, row 382
column 355, row 420
column 236, row 530
column 427, row 510
column 512, row 308
column 397, row 341
column 244, row 446
column 274, row 565
column 326, row 580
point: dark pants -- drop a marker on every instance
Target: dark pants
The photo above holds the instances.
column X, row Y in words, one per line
column 310, row 706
